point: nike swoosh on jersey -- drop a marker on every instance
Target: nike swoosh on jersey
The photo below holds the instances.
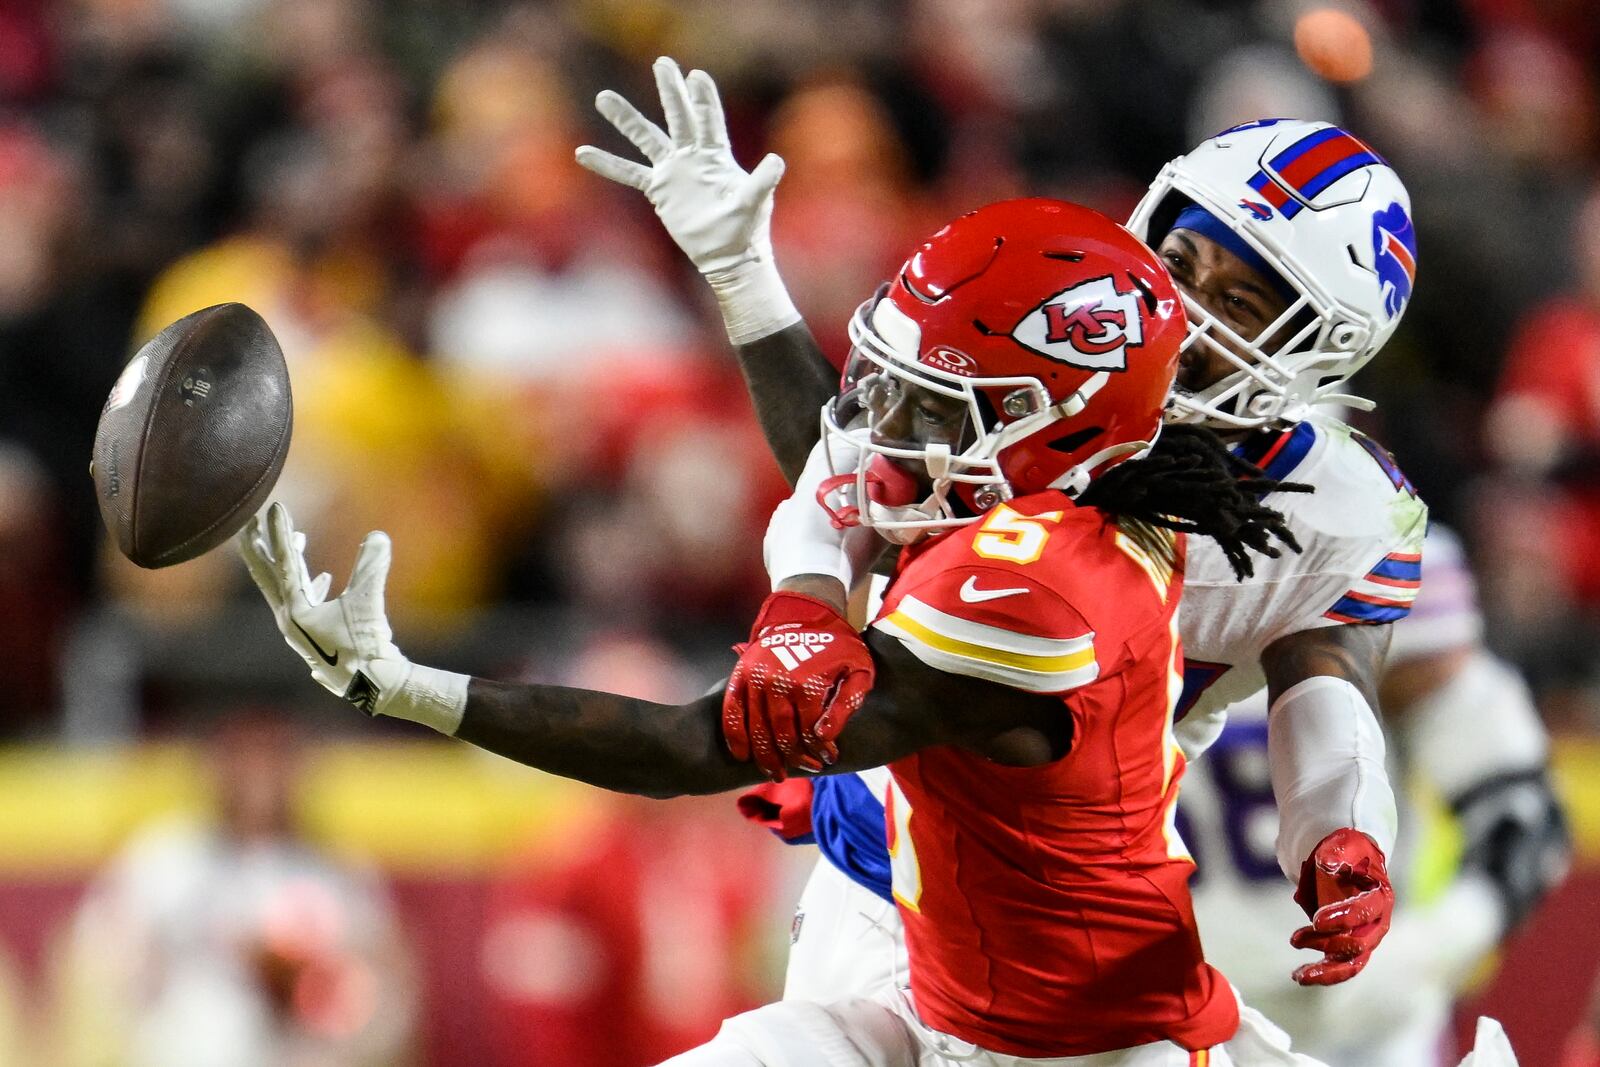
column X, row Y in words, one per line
column 973, row 595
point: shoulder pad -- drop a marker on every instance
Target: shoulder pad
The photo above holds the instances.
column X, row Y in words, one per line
column 994, row 623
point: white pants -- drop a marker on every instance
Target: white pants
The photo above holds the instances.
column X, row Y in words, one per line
column 845, row 941
column 885, row 1032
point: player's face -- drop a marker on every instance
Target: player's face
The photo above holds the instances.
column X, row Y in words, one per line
column 1228, row 288
column 906, row 415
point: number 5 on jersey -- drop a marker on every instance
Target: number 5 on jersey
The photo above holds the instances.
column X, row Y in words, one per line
column 905, row 875
column 1009, row 535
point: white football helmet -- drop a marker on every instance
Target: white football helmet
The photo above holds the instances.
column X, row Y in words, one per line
column 1333, row 219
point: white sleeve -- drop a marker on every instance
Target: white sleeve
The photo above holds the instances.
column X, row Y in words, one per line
column 802, row 539
column 1326, row 750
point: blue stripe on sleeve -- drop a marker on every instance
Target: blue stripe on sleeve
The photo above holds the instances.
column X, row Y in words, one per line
column 1399, row 569
column 1350, row 609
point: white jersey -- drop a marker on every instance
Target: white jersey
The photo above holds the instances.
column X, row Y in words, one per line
column 1361, row 531
column 1442, row 925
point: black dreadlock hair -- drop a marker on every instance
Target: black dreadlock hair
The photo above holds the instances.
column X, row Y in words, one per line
column 1189, row 481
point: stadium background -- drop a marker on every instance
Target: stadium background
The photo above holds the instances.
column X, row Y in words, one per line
column 502, row 361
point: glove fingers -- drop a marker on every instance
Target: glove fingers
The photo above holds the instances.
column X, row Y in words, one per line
column 761, row 182
column 1352, row 913
column 280, row 535
column 1325, row 972
column 631, row 123
column 788, row 714
column 674, row 101
column 253, row 550
column 710, row 121
column 734, row 714
column 822, row 753
column 302, row 573
column 1333, row 946
column 288, row 547
column 852, row 690
column 759, row 722
column 371, row 571
column 613, row 168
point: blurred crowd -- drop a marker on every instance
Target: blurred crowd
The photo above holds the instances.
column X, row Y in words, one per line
column 501, row 360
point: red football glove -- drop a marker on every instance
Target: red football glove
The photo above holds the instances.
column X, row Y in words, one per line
column 803, row 674
column 1344, row 888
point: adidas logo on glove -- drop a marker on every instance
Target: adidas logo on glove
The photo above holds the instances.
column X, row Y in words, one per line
column 794, row 647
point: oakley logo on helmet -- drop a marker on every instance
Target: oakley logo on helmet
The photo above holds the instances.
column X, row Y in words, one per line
column 1090, row 325
column 1394, row 250
column 948, row 359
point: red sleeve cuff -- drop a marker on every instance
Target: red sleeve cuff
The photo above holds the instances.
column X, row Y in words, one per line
column 782, row 807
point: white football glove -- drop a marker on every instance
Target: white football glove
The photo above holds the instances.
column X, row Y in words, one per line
column 717, row 212
column 346, row 641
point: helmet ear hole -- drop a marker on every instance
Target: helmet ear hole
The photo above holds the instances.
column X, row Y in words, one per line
column 1076, row 439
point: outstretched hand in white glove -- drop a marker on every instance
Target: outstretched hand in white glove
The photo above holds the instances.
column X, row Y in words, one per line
column 717, row 212
column 346, row 641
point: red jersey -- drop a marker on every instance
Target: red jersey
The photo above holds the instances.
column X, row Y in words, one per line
column 1047, row 908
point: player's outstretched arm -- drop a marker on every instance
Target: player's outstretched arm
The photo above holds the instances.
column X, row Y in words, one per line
column 614, row 742
column 789, row 381
column 635, row 746
column 1337, row 819
column 720, row 215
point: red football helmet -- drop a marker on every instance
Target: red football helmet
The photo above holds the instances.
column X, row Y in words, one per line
column 1028, row 345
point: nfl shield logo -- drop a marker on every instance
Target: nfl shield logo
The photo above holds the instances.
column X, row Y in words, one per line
column 794, row 926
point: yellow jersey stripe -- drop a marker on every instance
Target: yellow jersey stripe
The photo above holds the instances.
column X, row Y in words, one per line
column 999, row 673
column 1059, row 664
column 966, row 631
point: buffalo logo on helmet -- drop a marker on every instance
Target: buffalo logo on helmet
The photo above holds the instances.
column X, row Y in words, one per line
column 1090, row 325
column 1261, row 211
column 1394, row 251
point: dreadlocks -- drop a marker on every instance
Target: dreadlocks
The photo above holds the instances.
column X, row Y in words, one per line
column 1190, row 482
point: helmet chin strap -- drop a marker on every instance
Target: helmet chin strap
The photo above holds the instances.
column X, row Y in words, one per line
column 1076, row 480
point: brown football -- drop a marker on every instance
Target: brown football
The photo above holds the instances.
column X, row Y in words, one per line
column 193, row 436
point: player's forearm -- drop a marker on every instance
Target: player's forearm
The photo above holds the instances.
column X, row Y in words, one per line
column 614, row 742
column 1325, row 743
column 789, row 381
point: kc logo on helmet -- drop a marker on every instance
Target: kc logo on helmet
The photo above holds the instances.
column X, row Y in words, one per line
column 1090, row 325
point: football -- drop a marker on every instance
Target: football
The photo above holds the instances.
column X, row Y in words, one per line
column 193, row 436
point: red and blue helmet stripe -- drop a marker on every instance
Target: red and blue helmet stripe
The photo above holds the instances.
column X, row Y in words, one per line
column 1301, row 172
